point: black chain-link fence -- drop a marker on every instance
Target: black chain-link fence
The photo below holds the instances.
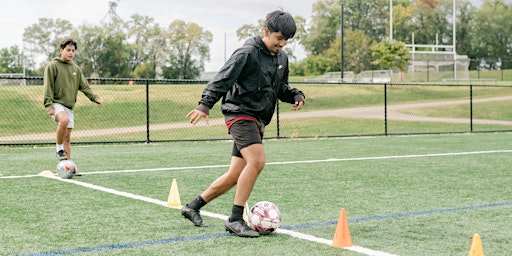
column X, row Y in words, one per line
column 149, row 110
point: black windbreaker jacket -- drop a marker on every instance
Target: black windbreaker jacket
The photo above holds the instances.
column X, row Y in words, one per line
column 250, row 83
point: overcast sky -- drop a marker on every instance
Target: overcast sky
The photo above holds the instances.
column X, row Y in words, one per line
column 221, row 17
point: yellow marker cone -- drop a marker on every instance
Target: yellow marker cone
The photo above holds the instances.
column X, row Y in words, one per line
column 246, row 213
column 476, row 246
column 342, row 233
column 174, row 196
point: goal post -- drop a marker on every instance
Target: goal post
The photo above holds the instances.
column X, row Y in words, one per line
column 437, row 62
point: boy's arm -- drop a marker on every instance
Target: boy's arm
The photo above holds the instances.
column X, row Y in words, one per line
column 288, row 94
column 86, row 89
column 49, row 83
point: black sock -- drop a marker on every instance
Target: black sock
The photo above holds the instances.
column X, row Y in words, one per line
column 197, row 203
column 236, row 213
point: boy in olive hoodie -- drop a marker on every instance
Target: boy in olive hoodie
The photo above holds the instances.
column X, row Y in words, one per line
column 62, row 81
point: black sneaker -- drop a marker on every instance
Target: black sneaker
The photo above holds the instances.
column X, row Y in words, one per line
column 61, row 155
column 241, row 229
column 75, row 173
column 193, row 216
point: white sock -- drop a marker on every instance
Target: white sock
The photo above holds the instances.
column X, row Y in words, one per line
column 60, row 147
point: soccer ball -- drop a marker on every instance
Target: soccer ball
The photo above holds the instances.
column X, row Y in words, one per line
column 66, row 169
column 265, row 217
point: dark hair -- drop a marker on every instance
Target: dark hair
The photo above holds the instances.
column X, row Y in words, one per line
column 279, row 21
column 66, row 42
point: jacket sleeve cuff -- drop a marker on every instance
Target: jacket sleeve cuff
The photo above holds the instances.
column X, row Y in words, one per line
column 299, row 97
column 203, row 108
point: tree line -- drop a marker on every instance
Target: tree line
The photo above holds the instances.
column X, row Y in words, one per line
column 141, row 48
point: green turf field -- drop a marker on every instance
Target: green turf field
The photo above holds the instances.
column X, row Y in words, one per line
column 411, row 195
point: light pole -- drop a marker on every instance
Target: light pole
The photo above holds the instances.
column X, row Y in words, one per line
column 391, row 19
column 342, row 43
column 454, row 39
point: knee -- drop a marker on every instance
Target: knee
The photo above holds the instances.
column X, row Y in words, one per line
column 63, row 121
column 259, row 164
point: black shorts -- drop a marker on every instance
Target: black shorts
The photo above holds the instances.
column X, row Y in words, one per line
column 245, row 133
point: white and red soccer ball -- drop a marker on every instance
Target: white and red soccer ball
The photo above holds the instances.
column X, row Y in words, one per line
column 264, row 217
column 66, row 169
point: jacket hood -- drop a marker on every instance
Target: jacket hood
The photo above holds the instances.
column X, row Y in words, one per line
column 60, row 60
column 258, row 43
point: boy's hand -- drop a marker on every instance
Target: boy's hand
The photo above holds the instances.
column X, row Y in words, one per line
column 195, row 115
column 298, row 105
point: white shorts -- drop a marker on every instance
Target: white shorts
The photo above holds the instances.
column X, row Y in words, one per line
column 71, row 116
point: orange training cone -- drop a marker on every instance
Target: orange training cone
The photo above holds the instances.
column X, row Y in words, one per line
column 342, row 234
column 174, row 196
column 476, row 246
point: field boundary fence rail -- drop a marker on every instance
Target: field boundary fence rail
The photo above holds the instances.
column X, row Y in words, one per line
column 153, row 110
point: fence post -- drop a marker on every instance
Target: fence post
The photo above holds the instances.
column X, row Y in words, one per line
column 147, row 112
column 385, row 109
column 277, row 119
column 471, row 107
column 428, row 70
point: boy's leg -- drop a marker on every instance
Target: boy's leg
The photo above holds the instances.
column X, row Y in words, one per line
column 248, row 138
column 62, row 118
column 254, row 155
column 67, row 142
column 225, row 182
column 220, row 186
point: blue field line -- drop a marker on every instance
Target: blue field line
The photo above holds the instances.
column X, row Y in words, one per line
column 397, row 215
column 291, row 227
column 128, row 245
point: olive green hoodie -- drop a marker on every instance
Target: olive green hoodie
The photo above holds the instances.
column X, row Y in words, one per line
column 62, row 81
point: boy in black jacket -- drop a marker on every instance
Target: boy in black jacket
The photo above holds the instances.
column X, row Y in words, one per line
column 249, row 83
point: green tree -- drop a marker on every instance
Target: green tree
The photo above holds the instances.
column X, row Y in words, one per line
column 430, row 22
column 43, row 38
column 391, row 54
column 492, row 25
column 186, row 50
column 11, row 60
column 371, row 17
column 102, row 50
column 144, row 45
column 363, row 23
column 403, row 11
column 250, row 30
column 90, row 49
column 324, row 27
column 357, row 51
column 464, row 32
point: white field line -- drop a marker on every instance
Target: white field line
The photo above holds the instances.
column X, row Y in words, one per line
column 286, row 162
column 311, row 238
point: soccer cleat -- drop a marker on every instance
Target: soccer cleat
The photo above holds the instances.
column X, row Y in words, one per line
column 193, row 216
column 75, row 173
column 61, row 155
column 241, row 229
